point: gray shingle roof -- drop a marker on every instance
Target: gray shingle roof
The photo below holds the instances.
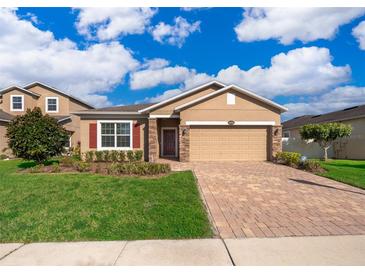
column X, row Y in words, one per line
column 130, row 108
column 8, row 117
column 335, row 116
column 5, row 116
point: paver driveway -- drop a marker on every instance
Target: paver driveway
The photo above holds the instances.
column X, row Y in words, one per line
column 261, row 199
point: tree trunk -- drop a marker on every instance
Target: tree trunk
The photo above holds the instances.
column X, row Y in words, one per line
column 325, row 153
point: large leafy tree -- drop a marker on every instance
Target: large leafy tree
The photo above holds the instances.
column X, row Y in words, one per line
column 325, row 134
column 34, row 136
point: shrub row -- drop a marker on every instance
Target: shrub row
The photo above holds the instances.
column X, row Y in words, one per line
column 293, row 159
column 113, row 156
column 288, row 158
column 142, row 168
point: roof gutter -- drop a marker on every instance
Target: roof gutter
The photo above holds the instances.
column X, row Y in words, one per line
column 106, row 113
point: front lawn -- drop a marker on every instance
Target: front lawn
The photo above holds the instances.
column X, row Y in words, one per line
column 74, row 207
column 351, row 172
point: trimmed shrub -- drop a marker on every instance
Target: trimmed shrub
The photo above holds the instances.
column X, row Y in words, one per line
column 114, row 156
column 130, row 155
column 138, row 154
column 89, row 156
column 312, row 166
column 82, row 166
column 121, row 156
column 106, row 155
column 288, row 158
column 113, row 169
column 99, row 156
column 140, row 168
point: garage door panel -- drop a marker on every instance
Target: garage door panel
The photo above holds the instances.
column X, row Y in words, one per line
column 208, row 143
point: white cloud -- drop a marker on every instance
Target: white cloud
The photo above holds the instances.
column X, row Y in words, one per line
column 193, row 81
column 302, row 71
column 359, row 33
column 155, row 63
column 164, row 96
column 174, row 34
column 290, row 24
column 196, row 79
column 109, row 23
column 28, row 54
column 157, row 71
column 298, row 72
column 194, row 8
column 153, row 77
column 337, row 99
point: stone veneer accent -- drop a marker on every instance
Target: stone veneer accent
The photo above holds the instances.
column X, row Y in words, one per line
column 276, row 146
column 152, row 140
column 184, row 143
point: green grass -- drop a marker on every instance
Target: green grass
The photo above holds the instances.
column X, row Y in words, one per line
column 73, row 207
column 351, row 172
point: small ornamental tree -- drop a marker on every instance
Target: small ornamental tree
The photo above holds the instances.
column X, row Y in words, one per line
column 325, row 134
column 34, row 136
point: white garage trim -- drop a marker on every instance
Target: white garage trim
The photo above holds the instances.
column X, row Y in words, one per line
column 225, row 123
column 164, row 116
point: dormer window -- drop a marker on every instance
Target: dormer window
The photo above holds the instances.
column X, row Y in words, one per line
column 51, row 104
column 17, row 103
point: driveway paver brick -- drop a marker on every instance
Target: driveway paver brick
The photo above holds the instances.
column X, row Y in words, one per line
column 262, row 199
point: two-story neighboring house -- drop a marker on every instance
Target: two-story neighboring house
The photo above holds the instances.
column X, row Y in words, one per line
column 16, row 100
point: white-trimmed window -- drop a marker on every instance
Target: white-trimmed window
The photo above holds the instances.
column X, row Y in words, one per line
column 17, row 103
column 51, row 104
column 114, row 135
column 231, row 99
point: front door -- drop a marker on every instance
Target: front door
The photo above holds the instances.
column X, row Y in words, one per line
column 169, row 142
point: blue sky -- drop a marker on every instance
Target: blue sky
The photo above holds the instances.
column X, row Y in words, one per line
column 310, row 60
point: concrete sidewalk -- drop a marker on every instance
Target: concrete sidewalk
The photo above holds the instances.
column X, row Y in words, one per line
column 332, row 250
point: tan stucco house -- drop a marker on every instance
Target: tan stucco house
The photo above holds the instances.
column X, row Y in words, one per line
column 212, row 122
column 352, row 147
column 16, row 100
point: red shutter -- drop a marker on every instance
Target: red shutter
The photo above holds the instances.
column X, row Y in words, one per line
column 92, row 136
column 136, row 135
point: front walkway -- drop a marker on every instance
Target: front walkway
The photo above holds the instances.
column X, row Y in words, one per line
column 339, row 250
column 261, row 199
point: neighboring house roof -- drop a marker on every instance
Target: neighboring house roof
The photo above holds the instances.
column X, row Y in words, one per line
column 335, row 116
column 127, row 109
column 181, row 95
column 236, row 88
column 5, row 90
column 5, row 117
column 58, row 91
column 135, row 107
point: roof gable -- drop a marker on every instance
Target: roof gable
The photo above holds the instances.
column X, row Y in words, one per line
column 11, row 88
column 226, row 89
column 182, row 95
column 27, row 87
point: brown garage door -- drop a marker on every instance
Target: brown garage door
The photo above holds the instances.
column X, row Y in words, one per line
column 223, row 143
